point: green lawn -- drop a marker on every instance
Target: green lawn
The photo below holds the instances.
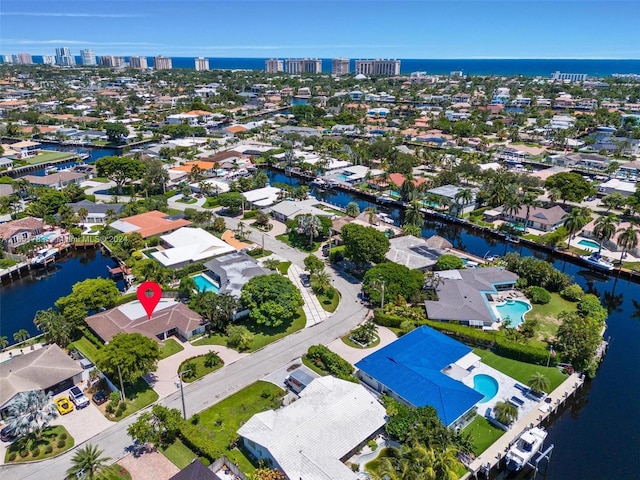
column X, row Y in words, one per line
column 218, row 424
column 547, row 316
column 346, row 340
column 121, row 473
column 179, row 454
column 139, row 395
column 100, row 179
column 329, row 304
column 262, row 335
column 170, row 347
column 7, row 262
column 259, row 253
column 520, row 371
column 283, row 267
column 49, row 157
column 313, row 366
column 483, row 434
column 50, row 436
column 297, row 242
column 87, row 348
column 201, row 368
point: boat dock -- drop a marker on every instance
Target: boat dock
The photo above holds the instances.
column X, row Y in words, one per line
column 493, row 455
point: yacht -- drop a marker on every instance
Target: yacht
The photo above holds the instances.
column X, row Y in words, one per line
column 44, row 255
column 512, row 239
column 318, row 183
column 384, row 198
column 596, row 260
column 386, row 218
column 526, row 446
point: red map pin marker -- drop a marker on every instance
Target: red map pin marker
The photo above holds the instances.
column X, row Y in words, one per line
column 149, row 294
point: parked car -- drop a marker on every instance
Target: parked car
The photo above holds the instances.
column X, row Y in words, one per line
column 78, row 398
column 100, row 397
column 7, row 434
column 63, row 405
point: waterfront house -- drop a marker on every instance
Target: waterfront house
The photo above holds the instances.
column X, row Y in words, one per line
column 6, row 163
column 97, row 212
column 230, row 272
column 543, row 219
column 417, row 369
column 57, row 180
column 616, row 185
column 150, row 223
column 312, row 437
column 288, row 210
column 19, row 232
column 414, row 252
column 47, row 369
column 612, row 243
column 463, row 295
column 25, row 148
column 262, row 197
column 169, row 318
column 446, row 195
column 187, row 245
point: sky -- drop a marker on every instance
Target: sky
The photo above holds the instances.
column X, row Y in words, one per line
column 314, row 28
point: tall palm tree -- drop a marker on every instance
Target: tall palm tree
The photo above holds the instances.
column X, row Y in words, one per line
column 628, row 239
column 512, row 205
column 605, row 228
column 83, row 213
column 370, row 212
column 30, row 412
column 309, row 225
column 413, row 214
column 505, row 412
column 539, row 382
column 529, row 200
column 4, row 342
column 87, row 461
column 463, row 197
column 575, row 220
column 21, row 335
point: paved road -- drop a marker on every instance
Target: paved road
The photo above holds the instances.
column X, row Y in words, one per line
column 201, row 394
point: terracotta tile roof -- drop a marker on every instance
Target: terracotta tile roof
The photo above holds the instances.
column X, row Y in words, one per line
column 154, row 223
column 9, row 229
column 237, row 129
column 203, row 164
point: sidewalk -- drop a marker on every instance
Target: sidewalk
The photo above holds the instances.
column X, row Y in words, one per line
column 312, row 308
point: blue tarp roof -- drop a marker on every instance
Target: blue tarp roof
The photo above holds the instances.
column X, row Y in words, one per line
column 412, row 368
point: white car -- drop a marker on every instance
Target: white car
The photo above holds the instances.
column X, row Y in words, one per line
column 77, row 397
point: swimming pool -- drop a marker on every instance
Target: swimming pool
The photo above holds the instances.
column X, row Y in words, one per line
column 45, row 237
column 589, row 244
column 486, row 385
column 342, row 176
column 514, row 310
column 204, row 283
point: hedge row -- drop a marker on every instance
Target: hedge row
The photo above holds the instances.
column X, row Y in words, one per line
column 330, row 362
column 198, row 443
column 490, row 340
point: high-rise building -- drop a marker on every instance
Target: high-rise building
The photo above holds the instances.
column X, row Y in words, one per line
column 138, row 62
column 381, row 67
column 573, row 77
column 88, row 57
column 23, row 59
column 7, row 59
column 48, row 60
column 297, row 66
column 64, row 57
column 202, row 64
column 111, row 61
column 162, row 63
column 274, row 65
column 340, row 66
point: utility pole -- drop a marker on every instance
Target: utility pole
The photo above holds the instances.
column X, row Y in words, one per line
column 184, row 407
column 121, row 385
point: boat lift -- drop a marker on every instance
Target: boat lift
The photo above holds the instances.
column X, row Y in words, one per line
column 536, row 463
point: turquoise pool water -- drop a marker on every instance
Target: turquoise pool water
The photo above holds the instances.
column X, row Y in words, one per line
column 515, row 310
column 486, row 385
column 589, row 244
column 45, row 237
column 342, row 177
column 204, row 283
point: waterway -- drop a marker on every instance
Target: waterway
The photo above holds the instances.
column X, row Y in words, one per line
column 598, row 434
column 595, row 437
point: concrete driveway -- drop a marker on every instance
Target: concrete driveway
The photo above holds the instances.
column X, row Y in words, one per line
column 149, row 466
column 83, row 424
column 354, row 355
column 278, row 376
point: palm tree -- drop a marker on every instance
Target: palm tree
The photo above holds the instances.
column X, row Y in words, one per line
column 83, row 213
column 539, row 382
column 321, row 281
column 463, row 197
column 505, row 412
column 554, row 195
column 529, row 200
column 88, row 461
column 21, row 335
column 271, row 264
column 605, row 228
column 413, row 215
column 628, row 239
column 4, row 342
column 512, row 205
column 309, row 225
column 30, row 412
column 575, row 220
column 370, row 212
column 110, row 214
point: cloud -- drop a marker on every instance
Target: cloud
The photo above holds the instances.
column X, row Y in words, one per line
column 74, row 15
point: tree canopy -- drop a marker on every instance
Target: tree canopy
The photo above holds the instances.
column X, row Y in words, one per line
column 448, row 262
column 573, row 187
column 133, row 353
column 364, row 244
column 272, row 299
column 115, row 131
column 398, row 281
column 120, row 169
column 86, row 296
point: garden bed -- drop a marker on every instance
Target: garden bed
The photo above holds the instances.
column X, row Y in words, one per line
column 53, row 441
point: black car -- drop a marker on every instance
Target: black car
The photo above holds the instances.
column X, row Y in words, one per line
column 7, row 434
column 100, row 397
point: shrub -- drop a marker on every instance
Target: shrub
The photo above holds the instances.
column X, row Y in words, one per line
column 61, row 443
column 372, row 445
column 35, row 452
column 195, row 419
column 573, row 293
column 12, row 456
column 109, row 408
column 24, row 453
column 538, row 295
column 205, row 461
column 115, row 398
column 448, row 262
column 121, row 408
column 63, row 436
column 331, row 362
column 48, row 449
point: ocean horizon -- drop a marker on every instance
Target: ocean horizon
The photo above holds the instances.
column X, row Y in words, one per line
column 542, row 67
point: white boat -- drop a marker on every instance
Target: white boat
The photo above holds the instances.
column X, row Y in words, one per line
column 385, row 217
column 526, row 446
column 596, row 260
column 384, row 198
column 44, row 256
column 332, row 183
column 318, row 183
column 512, row 239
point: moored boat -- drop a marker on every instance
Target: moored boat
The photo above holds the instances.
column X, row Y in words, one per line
column 526, row 446
column 598, row 261
column 44, row 256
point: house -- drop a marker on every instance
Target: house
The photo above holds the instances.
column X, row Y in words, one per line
column 195, row 471
column 169, row 318
column 18, row 232
column 6, row 163
column 561, row 122
column 48, row 369
column 57, row 180
column 589, row 160
column 446, row 195
column 544, row 219
column 288, row 210
column 617, row 186
column 187, row 245
column 414, row 370
column 398, row 179
column 262, row 197
column 206, row 168
column 612, row 243
column 630, row 169
column 179, row 118
column 511, row 154
column 413, row 252
column 311, row 437
column 149, row 224
column 97, row 212
column 25, row 148
column 463, row 295
column 230, row 272
column 302, row 131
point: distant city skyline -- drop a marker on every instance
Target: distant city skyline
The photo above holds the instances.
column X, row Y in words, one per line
column 588, row 29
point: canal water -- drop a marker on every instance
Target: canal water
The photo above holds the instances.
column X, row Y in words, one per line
column 597, row 436
column 95, row 154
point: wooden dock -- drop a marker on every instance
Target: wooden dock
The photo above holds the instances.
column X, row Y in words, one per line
column 492, row 456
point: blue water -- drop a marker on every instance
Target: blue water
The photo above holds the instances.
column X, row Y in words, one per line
column 45, row 237
column 204, row 284
column 342, row 176
column 514, row 310
column 96, row 153
column 589, row 244
column 529, row 67
column 486, row 385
